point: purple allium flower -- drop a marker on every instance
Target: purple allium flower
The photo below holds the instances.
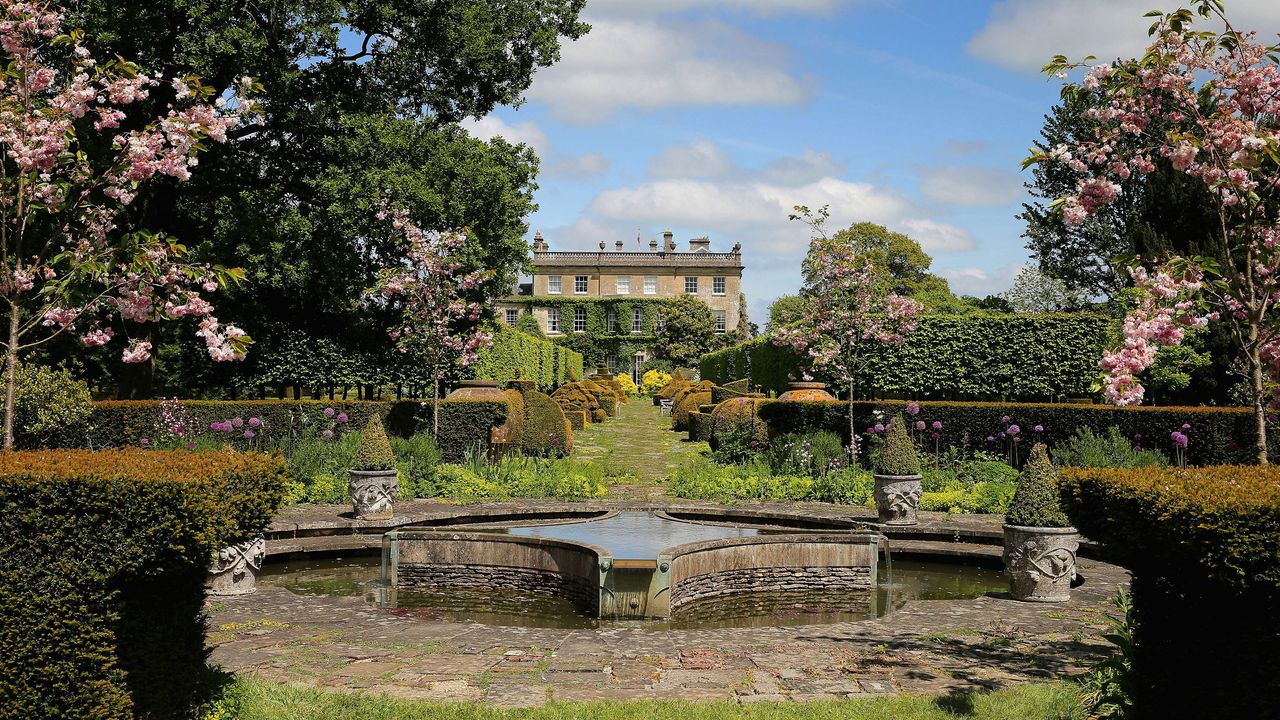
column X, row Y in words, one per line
column 1014, row 430
column 1002, row 436
column 342, row 417
column 937, row 424
column 254, row 422
column 1005, row 419
column 1137, row 448
column 1186, row 426
column 144, row 442
column 1137, row 436
column 248, row 434
column 913, row 408
column 328, row 412
column 991, row 438
column 1039, row 428
column 237, row 422
column 935, row 436
column 215, row 426
column 879, row 427
column 1178, row 438
column 871, row 431
column 919, row 424
column 328, row 434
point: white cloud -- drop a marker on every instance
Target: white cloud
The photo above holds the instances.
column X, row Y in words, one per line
column 1025, row 34
column 491, row 126
column 965, row 185
column 801, row 169
column 965, row 147
column 936, row 237
column 644, row 64
column 700, row 158
column 981, row 282
column 580, row 167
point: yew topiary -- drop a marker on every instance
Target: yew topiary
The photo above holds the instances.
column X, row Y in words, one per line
column 374, row 451
column 1036, row 502
column 897, row 454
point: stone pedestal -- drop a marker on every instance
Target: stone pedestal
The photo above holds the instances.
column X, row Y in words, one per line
column 897, row 498
column 1040, row 562
column 234, row 570
column 373, row 492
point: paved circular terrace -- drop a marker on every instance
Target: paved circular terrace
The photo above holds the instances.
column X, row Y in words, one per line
column 929, row 646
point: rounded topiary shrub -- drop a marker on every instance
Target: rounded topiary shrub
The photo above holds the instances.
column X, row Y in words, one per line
column 50, row 408
column 374, row 451
column 1036, row 502
column 691, row 402
column 897, row 454
column 546, row 430
column 736, row 419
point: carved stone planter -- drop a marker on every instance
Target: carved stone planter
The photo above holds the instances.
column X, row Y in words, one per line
column 234, row 570
column 1040, row 562
column 897, row 498
column 373, row 492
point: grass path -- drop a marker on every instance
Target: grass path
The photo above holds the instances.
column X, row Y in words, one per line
column 637, row 448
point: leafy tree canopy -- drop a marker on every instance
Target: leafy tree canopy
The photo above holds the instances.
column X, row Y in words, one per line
column 688, row 330
column 901, row 265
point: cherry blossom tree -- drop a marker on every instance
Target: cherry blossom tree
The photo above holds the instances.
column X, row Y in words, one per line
column 438, row 325
column 848, row 309
column 71, row 161
column 1216, row 98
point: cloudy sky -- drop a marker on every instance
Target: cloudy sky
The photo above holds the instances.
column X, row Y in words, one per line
column 715, row 117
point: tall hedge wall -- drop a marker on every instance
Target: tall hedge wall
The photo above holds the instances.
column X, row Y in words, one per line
column 1203, row 545
column 102, row 583
column 1217, row 435
column 516, row 355
column 979, row 357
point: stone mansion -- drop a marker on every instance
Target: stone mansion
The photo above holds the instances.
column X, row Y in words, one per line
column 574, row 292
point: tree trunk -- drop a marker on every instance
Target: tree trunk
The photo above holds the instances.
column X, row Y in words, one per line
column 1257, row 385
column 10, row 376
column 435, row 406
column 853, row 438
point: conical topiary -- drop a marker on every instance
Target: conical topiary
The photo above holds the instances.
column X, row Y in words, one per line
column 897, row 455
column 374, row 451
column 1035, row 502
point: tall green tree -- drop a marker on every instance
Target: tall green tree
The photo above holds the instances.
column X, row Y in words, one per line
column 900, row 265
column 360, row 102
column 688, row 331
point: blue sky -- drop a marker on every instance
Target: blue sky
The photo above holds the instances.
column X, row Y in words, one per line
column 714, row 117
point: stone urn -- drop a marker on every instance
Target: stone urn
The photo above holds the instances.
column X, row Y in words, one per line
column 897, row 498
column 806, row 391
column 234, row 570
column 1040, row 562
column 372, row 493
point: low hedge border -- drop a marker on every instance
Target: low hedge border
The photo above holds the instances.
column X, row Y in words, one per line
column 1203, row 545
column 1218, row 435
column 102, row 584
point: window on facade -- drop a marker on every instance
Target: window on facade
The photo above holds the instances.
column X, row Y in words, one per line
column 637, row 320
column 650, row 284
column 691, row 284
column 613, row 321
column 579, row 319
column 611, row 364
column 580, row 284
column 553, row 284
column 624, row 285
column 720, row 322
column 512, row 315
column 661, row 321
column 553, row 320
column 717, row 286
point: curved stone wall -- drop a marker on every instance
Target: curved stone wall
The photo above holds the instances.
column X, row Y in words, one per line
column 442, row 559
column 771, row 563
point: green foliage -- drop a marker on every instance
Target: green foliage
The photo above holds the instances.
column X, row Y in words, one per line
column 1035, row 504
column 701, row 479
column 688, row 330
column 419, row 461
column 1108, row 688
column 1035, row 292
column 526, row 477
column 689, row 402
column 374, row 450
column 785, row 309
column 599, row 343
column 318, row 468
column 900, row 264
column 1110, row 450
column 50, row 408
column 1203, row 547
column 897, row 453
column 102, row 584
column 1218, row 435
column 1025, row 357
column 465, row 425
column 813, row 454
column 121, row 423
column 528, row 324
column 515, row 355
column 546, row 430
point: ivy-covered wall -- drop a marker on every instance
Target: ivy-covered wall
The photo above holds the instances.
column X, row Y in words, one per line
column 597, row 343
column 955, row 357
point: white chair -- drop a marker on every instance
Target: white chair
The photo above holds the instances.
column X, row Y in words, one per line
column 664, row 406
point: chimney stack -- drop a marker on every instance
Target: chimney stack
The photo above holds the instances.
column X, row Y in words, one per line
column 539, row 245
column 618, row 245
column 668, row 241
column 653, row 244
column 702, row 244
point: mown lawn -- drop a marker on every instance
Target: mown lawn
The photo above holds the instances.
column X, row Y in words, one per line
column 250, row 699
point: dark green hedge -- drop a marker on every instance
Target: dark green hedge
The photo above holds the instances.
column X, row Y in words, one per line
column 1218, row 435
column 546, row 430
column 978, row 357
column 464, row 425
column 700, row 426
column 121, row 423
column 102, row 581
column 1203, row 545
column 518, row 355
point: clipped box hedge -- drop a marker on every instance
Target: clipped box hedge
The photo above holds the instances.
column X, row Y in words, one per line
column 1218, row 435
column 979, row 357
column 516, row 355
column 122, row 423
column 102, row 579
column 1203, row 545
column 464, row 425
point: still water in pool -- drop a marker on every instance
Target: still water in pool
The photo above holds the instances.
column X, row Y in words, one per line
column 911, row 580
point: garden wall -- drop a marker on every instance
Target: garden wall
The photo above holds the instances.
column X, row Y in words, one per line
column 956, row 357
